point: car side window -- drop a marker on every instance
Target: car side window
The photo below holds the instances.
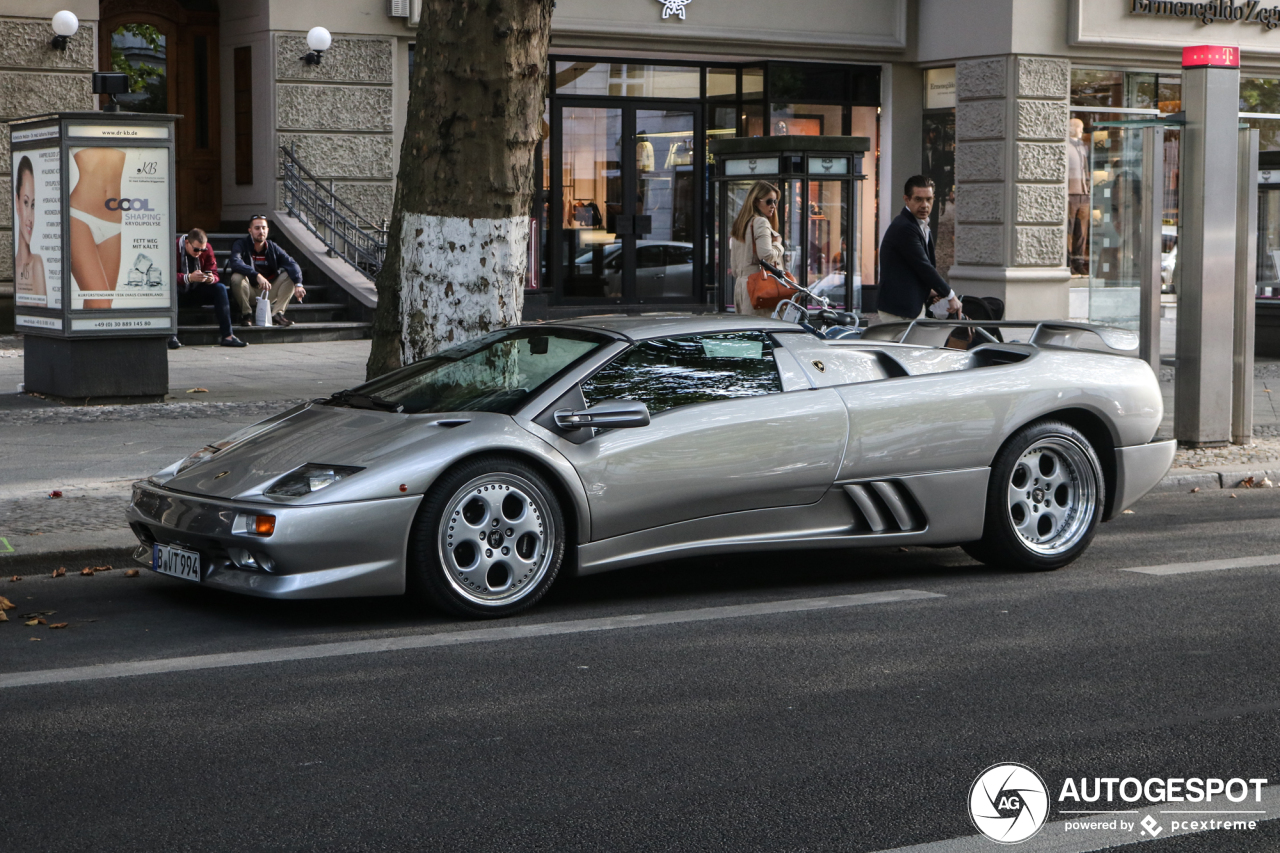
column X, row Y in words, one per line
column 649, row 256
column 671, row 372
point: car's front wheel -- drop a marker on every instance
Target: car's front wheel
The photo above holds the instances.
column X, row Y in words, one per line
column 1044, row 500
column 488, row 540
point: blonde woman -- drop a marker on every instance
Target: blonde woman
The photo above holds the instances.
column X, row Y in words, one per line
column 754, row 238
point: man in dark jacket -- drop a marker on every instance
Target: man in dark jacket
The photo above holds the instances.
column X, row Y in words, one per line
column 198, row 282
column 258, row 266
column 908, row 270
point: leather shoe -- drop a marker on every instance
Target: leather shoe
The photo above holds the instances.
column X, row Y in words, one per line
column 233, row 341
column 174, row 343
column 280, row 320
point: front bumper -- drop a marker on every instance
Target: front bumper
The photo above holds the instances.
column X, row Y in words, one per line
column 323, row 551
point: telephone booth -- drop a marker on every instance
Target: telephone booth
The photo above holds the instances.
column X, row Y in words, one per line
column 819, row 184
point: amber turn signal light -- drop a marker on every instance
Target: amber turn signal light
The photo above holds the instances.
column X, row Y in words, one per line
column 264, row 525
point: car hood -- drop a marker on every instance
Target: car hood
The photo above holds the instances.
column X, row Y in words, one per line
column 325, row 435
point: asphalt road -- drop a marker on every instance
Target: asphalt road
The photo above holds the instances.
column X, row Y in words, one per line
column 851, row 728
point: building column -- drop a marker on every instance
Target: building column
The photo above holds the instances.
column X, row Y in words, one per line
column 1012, row 115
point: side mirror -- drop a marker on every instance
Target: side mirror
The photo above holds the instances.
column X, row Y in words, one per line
column 610, row 414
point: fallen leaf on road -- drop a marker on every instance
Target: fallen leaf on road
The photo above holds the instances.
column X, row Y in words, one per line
column 197, row 390
column 1246, row 483
column 14, row 579
column 131, row 573
column 36, row 614
column 1265, row 483
column 1196, row 489
column 57, row 625
column 1233, row 494
column 1128, row 512
column 102, row 568
column 42, row 621
column 32, row 623
column 56, row 493
column 6, row 604
column 58, row 573
column 35, row 639
column 87, row 571
column 4, row 617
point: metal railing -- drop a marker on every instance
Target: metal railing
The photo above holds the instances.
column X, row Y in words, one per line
column 345, row 233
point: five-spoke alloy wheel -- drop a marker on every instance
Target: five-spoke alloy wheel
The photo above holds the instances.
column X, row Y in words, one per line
column 1044, row 501
column 489, row 539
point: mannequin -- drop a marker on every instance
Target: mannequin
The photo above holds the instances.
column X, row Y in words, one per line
column 1078, row 185
column 644, row 153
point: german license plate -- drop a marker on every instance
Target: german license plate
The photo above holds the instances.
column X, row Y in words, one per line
column 178, row 562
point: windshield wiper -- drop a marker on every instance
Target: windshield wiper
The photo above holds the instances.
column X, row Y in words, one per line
column 357, row 400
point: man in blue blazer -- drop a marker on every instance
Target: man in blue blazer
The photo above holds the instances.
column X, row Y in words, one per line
column 908, row 268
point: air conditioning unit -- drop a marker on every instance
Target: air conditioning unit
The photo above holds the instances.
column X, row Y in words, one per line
column 398, row 8
column 415, row 12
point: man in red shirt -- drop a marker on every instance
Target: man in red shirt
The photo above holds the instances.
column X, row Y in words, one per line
column 198, row 283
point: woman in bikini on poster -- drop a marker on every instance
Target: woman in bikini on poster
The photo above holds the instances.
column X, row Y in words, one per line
column 28, row 267
column 95, row 229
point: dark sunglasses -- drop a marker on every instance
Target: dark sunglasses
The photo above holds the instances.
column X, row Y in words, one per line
column 258, row 216
column 772, row 202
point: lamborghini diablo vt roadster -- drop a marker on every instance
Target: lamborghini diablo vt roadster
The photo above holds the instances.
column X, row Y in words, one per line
column 473, row 478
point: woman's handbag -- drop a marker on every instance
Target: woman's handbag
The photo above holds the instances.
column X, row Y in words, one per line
column 764, row 290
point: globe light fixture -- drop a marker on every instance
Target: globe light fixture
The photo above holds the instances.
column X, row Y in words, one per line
column 318, row 39
column 65, row 25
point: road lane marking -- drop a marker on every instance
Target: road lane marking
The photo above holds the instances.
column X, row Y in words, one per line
column 1054, row 837
column 1208, row 565
column 453, row 638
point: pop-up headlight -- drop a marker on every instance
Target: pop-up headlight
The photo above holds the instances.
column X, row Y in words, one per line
column 307, row 479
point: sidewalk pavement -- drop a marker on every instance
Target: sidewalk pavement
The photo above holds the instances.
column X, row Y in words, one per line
column 92, row 454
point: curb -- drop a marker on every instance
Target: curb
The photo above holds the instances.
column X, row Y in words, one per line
column 24, row 564
column 1219, row 477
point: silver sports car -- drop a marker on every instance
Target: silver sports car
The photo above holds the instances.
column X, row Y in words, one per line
column 477, row 476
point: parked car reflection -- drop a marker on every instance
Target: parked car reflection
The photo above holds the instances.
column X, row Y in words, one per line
column 663, row 269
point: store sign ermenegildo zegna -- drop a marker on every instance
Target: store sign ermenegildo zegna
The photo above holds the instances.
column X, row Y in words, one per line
column 1214, row 11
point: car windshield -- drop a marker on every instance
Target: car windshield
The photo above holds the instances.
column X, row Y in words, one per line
column 494, row 373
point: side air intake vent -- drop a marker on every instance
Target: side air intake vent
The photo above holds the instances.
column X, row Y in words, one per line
column 884, row 506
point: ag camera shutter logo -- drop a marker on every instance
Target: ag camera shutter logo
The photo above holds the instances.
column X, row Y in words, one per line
column 1008, row 803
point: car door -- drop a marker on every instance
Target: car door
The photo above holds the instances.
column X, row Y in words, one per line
column 723, row 438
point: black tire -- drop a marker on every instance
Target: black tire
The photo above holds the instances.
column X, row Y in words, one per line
column 488, row 540
column 1044, row 501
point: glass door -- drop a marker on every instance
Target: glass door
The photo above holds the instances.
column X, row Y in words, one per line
column 629, row 186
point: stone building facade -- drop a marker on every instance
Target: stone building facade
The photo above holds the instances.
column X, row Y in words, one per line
column 35, row 79
column 1016, row 66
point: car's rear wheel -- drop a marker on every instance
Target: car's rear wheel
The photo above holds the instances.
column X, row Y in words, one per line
column 488, row 540
column 1044, row 500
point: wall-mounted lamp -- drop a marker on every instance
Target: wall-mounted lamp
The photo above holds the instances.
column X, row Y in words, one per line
column 65, row 25
column 318, row 39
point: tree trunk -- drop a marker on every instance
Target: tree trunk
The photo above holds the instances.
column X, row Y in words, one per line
column 457, row 250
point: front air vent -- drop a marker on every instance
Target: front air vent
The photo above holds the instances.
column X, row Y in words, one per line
column 884, row 506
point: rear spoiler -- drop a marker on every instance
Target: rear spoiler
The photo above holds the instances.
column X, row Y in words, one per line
column 1045, row 333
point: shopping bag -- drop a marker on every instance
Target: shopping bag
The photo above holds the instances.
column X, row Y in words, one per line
column 262, row 312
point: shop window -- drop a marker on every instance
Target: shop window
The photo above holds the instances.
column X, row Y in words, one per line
column 1090, row 88
column 753, row 120
column 722, row 83
column 752, row 83
column 620, row 79
column 806, row 120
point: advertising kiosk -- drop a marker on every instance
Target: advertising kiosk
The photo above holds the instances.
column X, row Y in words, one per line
column 94, row 257
column 819, row 180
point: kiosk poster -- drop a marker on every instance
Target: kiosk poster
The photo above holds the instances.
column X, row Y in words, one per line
column 37, row 228
column 119, row 228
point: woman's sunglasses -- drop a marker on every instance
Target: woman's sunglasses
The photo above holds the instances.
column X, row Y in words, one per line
column 772, row 202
